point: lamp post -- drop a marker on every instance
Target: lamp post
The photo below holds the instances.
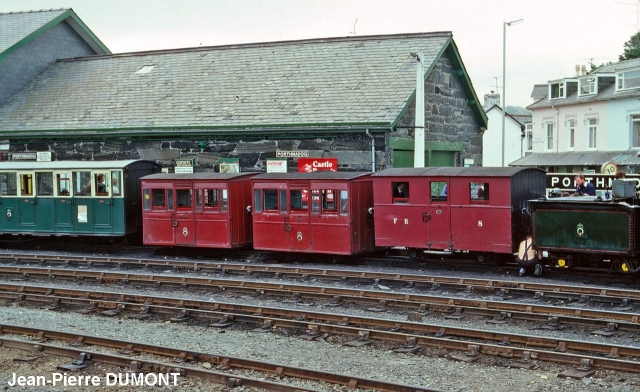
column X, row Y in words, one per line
column 418, row 132
column 504, row 78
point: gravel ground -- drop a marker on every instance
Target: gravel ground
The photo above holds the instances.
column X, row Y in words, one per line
column 428, row 368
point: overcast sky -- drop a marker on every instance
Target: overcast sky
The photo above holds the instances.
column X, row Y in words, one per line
column 554, row 37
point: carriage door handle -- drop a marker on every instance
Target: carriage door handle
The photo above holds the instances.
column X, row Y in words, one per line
column 426, row 217
column 287, row 226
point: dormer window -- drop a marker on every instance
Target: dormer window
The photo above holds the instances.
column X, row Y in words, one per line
column 556, row 90
column 628, row 80
column 588, row 86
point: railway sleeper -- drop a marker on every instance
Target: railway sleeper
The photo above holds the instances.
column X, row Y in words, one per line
column 582, row 371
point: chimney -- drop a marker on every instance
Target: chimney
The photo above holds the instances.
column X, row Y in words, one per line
column 490, row 100
column 577, row 70
column 583, row 69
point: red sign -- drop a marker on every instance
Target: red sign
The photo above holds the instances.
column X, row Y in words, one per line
column 306, row 165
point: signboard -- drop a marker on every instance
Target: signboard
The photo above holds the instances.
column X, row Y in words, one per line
column 468, row 162
column 43, row 156
column 229, row 165
column 306, row 165
column 276, row 165
column 565, row 181
column 292, row 154
column 23, row 156
column 184, row 166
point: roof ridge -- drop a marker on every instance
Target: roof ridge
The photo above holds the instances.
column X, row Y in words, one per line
column 33, row 11
column 305, row 41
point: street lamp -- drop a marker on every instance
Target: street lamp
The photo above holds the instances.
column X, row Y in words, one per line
column 504, row 79
column 418, row 132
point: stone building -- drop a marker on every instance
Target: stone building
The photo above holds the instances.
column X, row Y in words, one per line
column 348, row 98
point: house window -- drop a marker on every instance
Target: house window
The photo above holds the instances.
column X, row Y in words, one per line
column 571, row 133
column 592, row 128
column 549, row 132
column 587, row 86
column 529, row 137
column 635, row 129
column 556, row 90
column 628, row 80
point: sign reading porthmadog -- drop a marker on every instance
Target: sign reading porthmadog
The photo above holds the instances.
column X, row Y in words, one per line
column 292, row 154
column 565, row 181
column 24, row 156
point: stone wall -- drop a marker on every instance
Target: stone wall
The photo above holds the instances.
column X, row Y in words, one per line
column 448, row 116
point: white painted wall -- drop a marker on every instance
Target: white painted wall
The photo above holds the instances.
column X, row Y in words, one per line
column 619, row 126
column 492, row 140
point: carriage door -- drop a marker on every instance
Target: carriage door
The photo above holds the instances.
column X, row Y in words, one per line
column 102, row 204
column 298, row 226
column 27, row 201
column 63, row 201
column 440, row 215
column 183, row 219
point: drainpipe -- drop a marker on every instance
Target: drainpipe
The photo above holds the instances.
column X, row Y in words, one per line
column 373, row 151
column 557, row 127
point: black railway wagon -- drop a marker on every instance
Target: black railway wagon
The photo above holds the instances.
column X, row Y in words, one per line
column 588, row 232
column 72, row 198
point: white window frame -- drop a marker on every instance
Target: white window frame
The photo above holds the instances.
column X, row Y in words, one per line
column 560, row 90
column 591, row 123
column 571, row 134
column 548, row 126
column 621, row 80
column 528, row 137
column 592, row 86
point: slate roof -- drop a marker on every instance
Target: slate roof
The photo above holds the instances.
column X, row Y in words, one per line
column 19, row 28
column 450, row 171
column 580, row 158
column 604, row 94
column 518, row 122
column 335, row 82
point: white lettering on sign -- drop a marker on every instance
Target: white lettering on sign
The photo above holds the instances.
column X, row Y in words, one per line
column 406, row 221
column 292, row 154
column 325, row 164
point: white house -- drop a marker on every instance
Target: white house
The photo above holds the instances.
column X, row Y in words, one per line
column 492, row 138
column 586, row 113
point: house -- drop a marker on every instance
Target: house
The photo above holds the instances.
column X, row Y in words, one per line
column 587, row 113
column 349, row 98
column 492, row 150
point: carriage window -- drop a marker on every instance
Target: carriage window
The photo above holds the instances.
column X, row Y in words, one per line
column 198, row 199
column 183, row 196
column 169, row 199
column 299, row 200
column 64, row 184
column 283, row 201
column 400, row 191
column 224, row 200
column 8, row 184
column 101, row 183
column 146, row 199
column 115, row 183
column 329, row 201
column 256, row 200
column 211, row 199
column 315, row 201
column 270, row 200
column 479, row 190
column 45, row 184
column 82, row 183
column 344, row 202
column 157, row 198
column 438, row 191
column 26, row 185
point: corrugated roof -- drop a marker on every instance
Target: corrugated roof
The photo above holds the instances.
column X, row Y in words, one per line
column 316, row 175
column 323, row 82
column 580, row 158
column 195, row 176
column 19, row 28
column 450, row 171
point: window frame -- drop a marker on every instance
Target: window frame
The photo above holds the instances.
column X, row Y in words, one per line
column 560, row 89
column 571, row 134
column 549, row 126
column 591, row 123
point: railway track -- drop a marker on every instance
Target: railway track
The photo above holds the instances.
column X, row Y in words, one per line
column 467, row 343
column 622, row 315
column 183, row 362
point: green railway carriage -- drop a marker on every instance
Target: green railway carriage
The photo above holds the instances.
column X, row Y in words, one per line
column 72, row 198
column 587, row 232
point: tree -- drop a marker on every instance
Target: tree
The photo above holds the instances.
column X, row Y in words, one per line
column 631, row 48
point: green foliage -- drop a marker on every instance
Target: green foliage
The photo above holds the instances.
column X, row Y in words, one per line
column 631, row 48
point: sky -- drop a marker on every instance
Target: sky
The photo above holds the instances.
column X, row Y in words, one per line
column 554, row 37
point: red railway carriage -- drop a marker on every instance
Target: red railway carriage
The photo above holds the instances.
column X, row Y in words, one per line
column 208, row 210
column 455, row 209
column 317, row 212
